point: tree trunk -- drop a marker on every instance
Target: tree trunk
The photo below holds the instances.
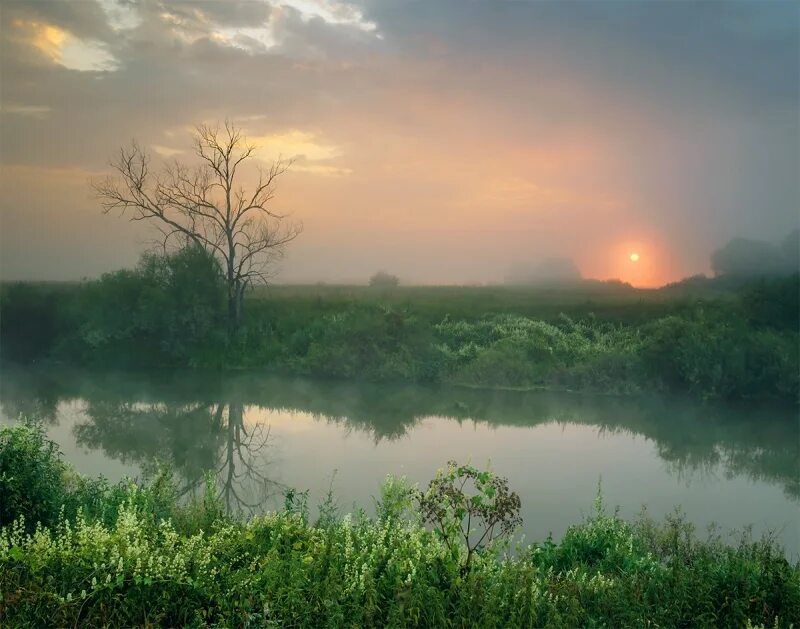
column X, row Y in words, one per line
column 234, row 313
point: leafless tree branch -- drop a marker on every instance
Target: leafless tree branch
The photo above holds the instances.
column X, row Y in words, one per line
column 207, row 205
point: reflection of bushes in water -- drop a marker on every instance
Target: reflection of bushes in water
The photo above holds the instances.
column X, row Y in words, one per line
column 140, row 418
column 741, row 346
column 192, row 439
column 158, row 562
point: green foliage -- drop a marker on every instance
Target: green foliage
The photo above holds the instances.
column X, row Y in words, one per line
column 32, row 476
column 381, row 344
column 170, row 312
column 31, row 319
column 36, row 485
column 773, row 303
column 520, row 352
column 466, row 504
column 715, row 354
column 396, row 500
column 133, row 556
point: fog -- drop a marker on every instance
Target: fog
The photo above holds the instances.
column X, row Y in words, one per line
column 444, row 143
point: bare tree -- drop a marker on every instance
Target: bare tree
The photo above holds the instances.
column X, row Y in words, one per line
column 207, row 205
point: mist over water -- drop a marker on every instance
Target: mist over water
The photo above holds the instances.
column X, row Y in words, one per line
column 261, row 435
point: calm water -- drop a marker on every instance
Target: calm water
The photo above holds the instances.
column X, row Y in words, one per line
column 261, row 434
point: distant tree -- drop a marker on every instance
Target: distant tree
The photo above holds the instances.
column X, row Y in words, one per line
column 773, row 302
column 383, row 279
column 547, row 271
column 206, row 204
column 749, row 258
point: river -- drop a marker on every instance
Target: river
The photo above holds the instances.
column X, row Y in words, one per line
column 735, row 466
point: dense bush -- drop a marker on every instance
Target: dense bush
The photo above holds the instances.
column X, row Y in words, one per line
column 377, row 343
column 32, row 477
column 144, row 561
column 518, row 351
column 167, row 311
column 170, row 312
column 773, row 303
column 717, row 355
column 30, row 321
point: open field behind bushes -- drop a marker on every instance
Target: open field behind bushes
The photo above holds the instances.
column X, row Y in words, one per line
column 721, row 339
column 77, row 551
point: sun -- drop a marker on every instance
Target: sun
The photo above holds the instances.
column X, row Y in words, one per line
column 634, row 257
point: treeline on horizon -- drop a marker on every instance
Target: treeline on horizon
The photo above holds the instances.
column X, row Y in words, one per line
column 735, row 337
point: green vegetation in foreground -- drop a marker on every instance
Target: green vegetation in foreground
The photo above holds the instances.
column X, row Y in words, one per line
column 604, row 337
column 81, row 552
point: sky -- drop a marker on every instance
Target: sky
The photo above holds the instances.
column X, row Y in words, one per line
column 445, row 142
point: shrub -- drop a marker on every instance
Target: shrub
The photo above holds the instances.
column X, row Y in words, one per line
column 170, row 310
column 490, row 512
column 156, row 562
column 716, row 355
column 382, row 279
column 32, row 476
column 371, row 343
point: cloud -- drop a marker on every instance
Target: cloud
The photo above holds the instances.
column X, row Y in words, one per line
column 62, row 47
column 166, row 151
column 482, row 130
column 34, row 111
column 121, row 14
column 309, row 154
column 332, row 12
column 293, row 144
column 322, row 169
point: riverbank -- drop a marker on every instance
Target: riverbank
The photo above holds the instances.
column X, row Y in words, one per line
column 133, row 554
column 739, row 344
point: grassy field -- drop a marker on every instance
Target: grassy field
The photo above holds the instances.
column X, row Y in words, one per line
column 712, row 338
column 607, row 300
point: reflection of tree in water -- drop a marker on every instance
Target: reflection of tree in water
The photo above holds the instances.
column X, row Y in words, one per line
column 34, row 396
column 761, row 443
column 243, row 465
column 193, row 439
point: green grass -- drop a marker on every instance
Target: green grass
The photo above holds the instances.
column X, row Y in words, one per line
column 132, row 555
column 708, row 338
column 619, row 302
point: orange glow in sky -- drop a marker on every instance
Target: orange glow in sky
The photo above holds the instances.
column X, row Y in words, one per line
column 415, row 147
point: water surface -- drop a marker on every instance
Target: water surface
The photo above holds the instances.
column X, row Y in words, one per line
column 259, row 434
